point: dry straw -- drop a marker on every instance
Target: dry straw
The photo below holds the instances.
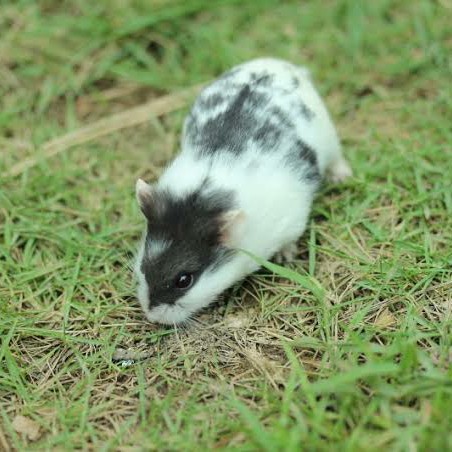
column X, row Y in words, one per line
column 105, row 126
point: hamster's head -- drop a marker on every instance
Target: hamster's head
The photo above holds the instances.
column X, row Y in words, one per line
column 188, row 241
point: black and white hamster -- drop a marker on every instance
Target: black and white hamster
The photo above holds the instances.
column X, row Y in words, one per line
column 255, row 147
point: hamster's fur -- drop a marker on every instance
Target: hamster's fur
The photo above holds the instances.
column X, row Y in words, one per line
column 255, row 147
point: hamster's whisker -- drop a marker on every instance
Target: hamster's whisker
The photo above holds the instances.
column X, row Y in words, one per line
column 184, row 326
column 191, row 322
column 194, row 321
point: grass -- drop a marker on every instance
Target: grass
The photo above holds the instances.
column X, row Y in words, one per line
column 349, row 348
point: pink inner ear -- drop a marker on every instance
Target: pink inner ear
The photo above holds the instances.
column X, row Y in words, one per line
column 229, row 221
column 143, row 193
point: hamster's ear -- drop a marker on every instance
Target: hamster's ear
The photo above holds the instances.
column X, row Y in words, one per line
column 144, row 193
column 229, row 222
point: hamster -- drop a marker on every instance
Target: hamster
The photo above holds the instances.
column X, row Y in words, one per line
column 254, row 150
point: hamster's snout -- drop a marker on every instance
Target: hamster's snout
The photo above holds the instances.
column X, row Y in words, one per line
column 167, row 314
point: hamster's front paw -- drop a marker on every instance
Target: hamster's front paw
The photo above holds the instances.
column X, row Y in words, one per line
column 288, row 253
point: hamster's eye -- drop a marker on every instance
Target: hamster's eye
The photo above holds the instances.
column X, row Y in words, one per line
column 184, row 280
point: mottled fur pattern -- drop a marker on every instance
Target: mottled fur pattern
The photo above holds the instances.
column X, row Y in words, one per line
column 255, row 147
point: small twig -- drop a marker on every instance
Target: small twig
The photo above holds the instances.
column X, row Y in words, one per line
column 3, row 441
column 128, row 118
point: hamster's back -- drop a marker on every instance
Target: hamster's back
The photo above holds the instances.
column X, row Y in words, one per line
column 262, row 115
column 260, row 109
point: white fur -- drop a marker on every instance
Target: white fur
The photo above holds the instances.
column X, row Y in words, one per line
column 275, row 204
column 157, row 247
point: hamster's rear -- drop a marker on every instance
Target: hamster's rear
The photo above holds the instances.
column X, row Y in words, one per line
column 255, row 148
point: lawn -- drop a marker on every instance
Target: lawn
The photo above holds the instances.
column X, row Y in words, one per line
column 348, row 348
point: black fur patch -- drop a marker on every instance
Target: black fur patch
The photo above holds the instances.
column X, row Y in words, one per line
column 261, row 79
column 249, row 114
column 191, row 224
column 268, row 135
column 306, row 112
column 281, row 118
column 212, row 101
column 302, row 159
column 306, row 153
column 229, row 130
